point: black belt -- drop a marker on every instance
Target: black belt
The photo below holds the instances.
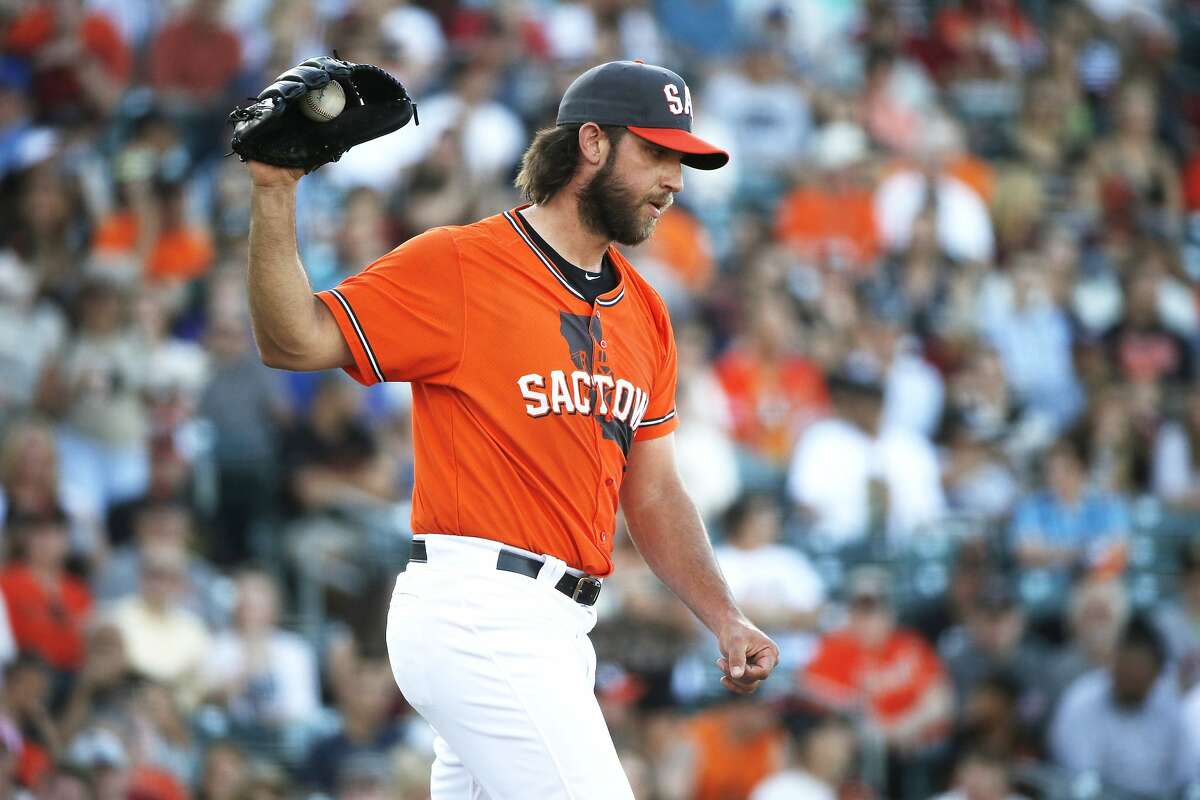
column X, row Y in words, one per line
column 583, row 590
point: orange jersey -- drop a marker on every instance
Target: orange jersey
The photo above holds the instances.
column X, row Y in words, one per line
column 526, row 397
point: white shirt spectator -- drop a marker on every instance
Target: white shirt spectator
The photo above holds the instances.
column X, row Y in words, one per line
column 913, row 394
column 964, row 229
column 704, row 450
column 1145, row 750
column 771, row 121
column 792, row 784
column 1173, row 475
column 774, row 575
column 834, row 463
column 279, row 685
column 492, row 136
column 1191, row 721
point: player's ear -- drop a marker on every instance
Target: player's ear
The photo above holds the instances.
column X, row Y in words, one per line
column 593, row 144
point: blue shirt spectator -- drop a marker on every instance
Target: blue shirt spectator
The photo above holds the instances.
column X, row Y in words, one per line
column 1068, row 523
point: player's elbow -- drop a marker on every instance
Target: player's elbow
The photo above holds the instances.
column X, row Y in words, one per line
column 277, row 357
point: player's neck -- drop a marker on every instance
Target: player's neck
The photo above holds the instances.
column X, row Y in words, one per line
column 558, row 223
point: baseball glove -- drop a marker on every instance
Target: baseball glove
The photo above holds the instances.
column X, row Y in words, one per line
column 272, row 129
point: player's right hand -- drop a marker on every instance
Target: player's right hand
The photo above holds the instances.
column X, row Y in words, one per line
column 267, row 176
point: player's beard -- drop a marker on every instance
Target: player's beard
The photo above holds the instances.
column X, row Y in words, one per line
column 610, row 208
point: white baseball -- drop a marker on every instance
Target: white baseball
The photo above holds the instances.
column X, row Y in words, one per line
column 322, row 105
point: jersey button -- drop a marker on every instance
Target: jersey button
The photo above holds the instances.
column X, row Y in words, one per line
column 608, row 481
column 603, row 536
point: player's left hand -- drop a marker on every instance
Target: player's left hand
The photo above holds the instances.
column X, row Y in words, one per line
column 747, row 656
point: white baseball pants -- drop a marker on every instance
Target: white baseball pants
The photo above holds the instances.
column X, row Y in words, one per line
column 500, row 665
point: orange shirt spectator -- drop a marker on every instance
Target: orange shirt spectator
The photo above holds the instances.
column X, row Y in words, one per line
column 681, row 243
column 179, row 252
column 773, row 391
column 736, row 747
column 46, row 606
column 67, row 46
column 892, row 673
column 831, row 220
column 830, row 224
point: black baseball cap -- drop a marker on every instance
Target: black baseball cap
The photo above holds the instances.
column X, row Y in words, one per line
column 652, row 102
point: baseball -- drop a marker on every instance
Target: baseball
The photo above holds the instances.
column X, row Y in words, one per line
column 322, row 105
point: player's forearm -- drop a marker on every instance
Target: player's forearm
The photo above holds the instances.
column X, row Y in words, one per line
column 282, row 306
column 669, row 534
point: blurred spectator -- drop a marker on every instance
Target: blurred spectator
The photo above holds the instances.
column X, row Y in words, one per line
column 1097, row 613
column 80, row 63
column 1131, row 180
column 678, row 260
column 774, row 585
column 266, row 676
column 223, row 774
column 244, row 403
column 102, row 443
column 103, row 687
column 1068, row 524
column 1032, row 335
column 26, row 723
column 1175, row 475
column 490, row 136
column 915, row 285
column 193, row 59
column 1141, row 347
column 769, row 115
column 47, row 606
column 117, row 770
column 995, row 640
column 913, row 392
column 855, row 477
column 331, row 457
column 31, row 333
column 366, row 726
column 964, row 228
column 978, row 480
column 774, row 391
column 162, row 526
column 1124, row 725
column 824, row 757
column 1178, row 617
column 731, row 748
column 828, row 219
column 1117, row 441
column 21, row 142
column 165, row 642
column 886, row 673
column 972, row 564
column 979, row 776
column 995, row 719
column 703, row 442
column 29, row 468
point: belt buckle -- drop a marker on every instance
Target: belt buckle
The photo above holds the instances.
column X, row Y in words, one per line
column 587, row 590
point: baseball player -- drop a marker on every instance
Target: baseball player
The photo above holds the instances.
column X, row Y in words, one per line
column 543, row 373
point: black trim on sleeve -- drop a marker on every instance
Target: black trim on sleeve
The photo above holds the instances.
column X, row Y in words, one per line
column 362, row 336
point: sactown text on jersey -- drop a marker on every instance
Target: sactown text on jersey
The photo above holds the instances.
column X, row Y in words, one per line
column 579, row 392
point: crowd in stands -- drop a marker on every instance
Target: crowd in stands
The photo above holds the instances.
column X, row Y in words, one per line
column 938, row 324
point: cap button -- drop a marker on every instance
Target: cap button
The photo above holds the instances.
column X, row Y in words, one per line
column 638, row 61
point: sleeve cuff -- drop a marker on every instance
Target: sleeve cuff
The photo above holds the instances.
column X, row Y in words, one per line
column 366, row 369
column 653, row 428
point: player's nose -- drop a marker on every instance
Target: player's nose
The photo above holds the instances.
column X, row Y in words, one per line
column 672, row 179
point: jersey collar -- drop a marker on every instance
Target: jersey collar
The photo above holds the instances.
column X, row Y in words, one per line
column 609, row 298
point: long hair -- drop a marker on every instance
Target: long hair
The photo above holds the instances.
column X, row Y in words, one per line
column 551, row 159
